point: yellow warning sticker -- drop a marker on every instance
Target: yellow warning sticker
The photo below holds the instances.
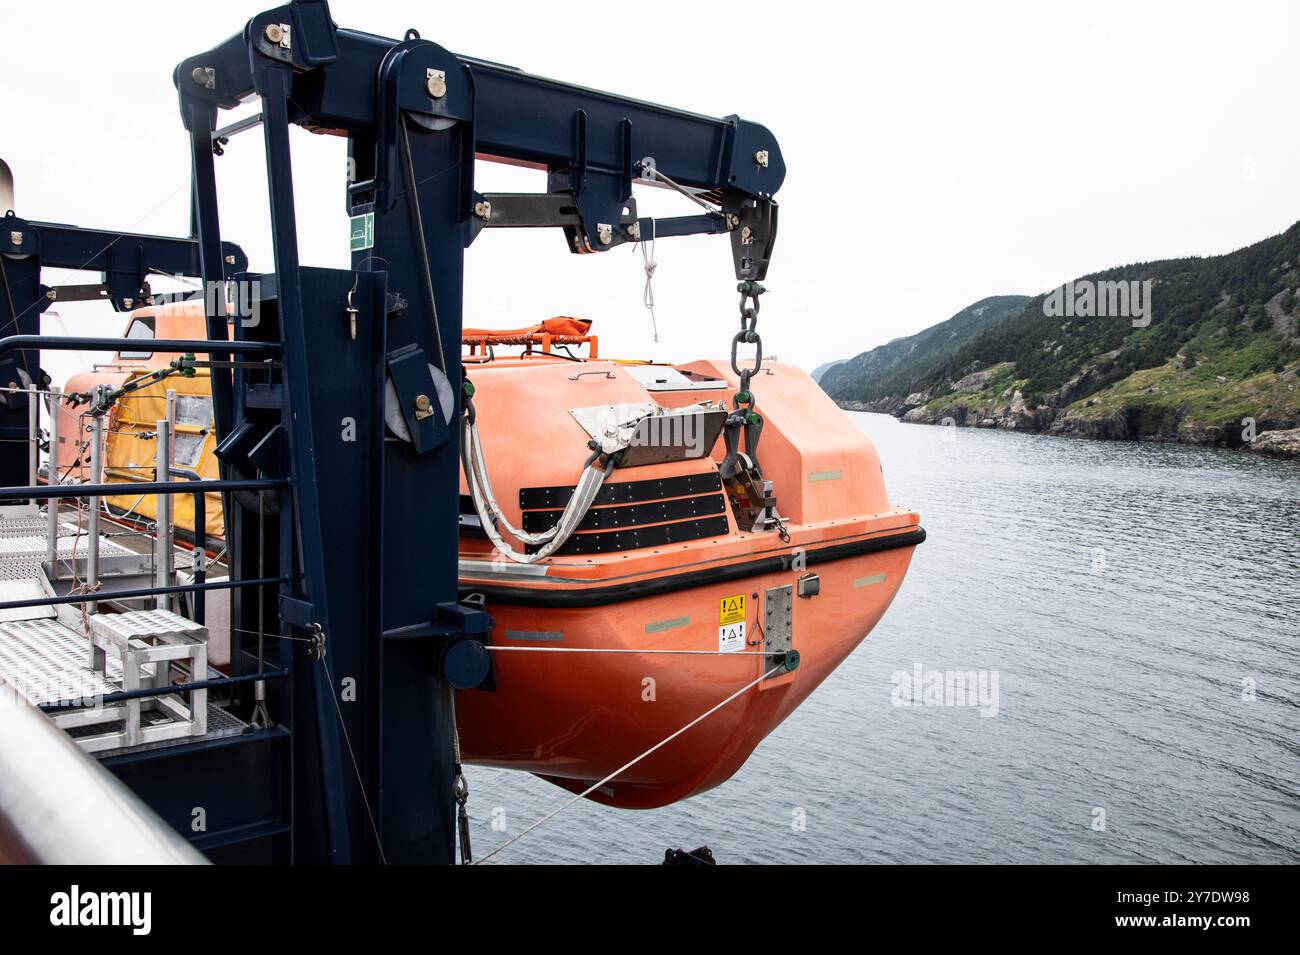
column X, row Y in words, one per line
column 732, row 610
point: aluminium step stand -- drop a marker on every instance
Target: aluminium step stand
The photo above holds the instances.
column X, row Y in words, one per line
column 43, row 662
column 145, row 645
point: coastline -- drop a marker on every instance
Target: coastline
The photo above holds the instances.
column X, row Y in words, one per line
column 1273, row 437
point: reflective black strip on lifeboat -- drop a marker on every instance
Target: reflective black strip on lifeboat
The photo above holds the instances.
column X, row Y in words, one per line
column 624, row 492
column 656, row 535
column 615, row 593
column 630, row 515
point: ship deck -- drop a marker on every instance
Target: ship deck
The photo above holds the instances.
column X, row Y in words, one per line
column 46, row 651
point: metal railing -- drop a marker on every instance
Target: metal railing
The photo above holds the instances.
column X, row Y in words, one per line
column 54, row 492
column 58, row 805
column 164, row 345
column 22, row 735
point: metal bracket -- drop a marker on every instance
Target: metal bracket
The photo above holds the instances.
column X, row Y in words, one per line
column 266, row 455
column 778, row 629
column 530, row 210
column 297, row 612
column 753, row 237
column 450, row 621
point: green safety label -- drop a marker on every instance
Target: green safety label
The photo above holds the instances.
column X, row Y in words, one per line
column 362, row 235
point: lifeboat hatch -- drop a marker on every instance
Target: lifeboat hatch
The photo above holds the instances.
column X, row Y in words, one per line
column 663, row 378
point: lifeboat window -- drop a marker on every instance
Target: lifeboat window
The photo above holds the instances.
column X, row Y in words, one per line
column 188, row 449
column 194, row 410
column 139, row 328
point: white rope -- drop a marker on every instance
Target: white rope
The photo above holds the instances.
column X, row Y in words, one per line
column 626, row 766
column 480, row 479
column 489, row 511
column 648, row 293
column 708, row 653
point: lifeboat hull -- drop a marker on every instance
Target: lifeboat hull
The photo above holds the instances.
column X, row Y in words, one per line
column 575, row 717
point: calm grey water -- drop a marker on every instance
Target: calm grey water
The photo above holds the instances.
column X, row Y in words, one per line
column 1140, row 606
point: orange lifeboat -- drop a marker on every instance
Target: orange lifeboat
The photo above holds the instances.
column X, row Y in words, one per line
column 128, row 447
column 674, row 592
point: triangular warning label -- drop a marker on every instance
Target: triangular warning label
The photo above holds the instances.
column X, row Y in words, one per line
column 732, row 609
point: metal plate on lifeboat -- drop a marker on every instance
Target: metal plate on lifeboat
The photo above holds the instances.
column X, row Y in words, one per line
column 654, row 434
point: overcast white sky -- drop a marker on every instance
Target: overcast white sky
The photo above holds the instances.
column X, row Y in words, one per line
column 937, row 152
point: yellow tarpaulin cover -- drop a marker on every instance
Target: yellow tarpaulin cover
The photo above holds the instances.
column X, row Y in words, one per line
column 130, row 459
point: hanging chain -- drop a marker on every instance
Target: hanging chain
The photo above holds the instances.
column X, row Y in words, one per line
column 460, row 786
column 743, row 418
column 749, row 293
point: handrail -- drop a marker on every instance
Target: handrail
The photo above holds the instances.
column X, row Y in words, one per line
column 122, row 696
column 142, row 592
column 545, row 339
column 168, row 345
column 148, row 487
column 59, row 806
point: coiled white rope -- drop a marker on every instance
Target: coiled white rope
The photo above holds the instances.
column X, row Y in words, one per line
column 490, row 514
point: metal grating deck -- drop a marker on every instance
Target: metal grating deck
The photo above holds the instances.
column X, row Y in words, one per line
column 21, row 545
column 21, row 521
column 44, row 662
column 22, row 548
column 220, row 724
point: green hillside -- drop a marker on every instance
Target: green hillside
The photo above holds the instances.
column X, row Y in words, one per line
column 1222, row 345
column 885, row 375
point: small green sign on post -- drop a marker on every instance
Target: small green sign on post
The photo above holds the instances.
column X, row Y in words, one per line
column 362, row 235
